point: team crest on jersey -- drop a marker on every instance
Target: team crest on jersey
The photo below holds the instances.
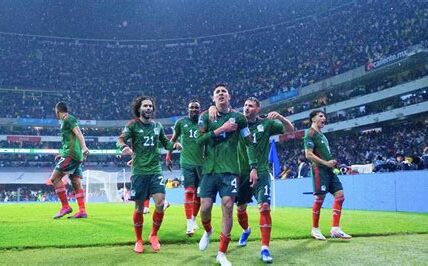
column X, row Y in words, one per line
column 140, row 131
column 323, row 188
column 260, row 128
column 186, row 125
column 232, row 120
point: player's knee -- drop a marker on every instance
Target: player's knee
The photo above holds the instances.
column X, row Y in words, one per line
column 264, row 207
column 242, row 207
column 340, row 198
column 189, row 190
column 228, row 204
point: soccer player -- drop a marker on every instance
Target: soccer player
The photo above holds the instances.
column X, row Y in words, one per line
column 261, row 130
column 145, row 136
column 191, row 159
column 71, row 156
column 220, row 168
column 317, row 150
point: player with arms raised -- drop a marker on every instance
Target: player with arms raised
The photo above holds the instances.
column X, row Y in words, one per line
column 186, row 130
column 146, row 136
column 317, row 150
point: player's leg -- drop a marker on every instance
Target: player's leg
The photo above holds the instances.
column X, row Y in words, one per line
column 189, row 196
column 138, row 219
column 157, row 189
column 139, row 193
column 319, row 195
column 196, row 199
column 146, row 206
column 245, row 193
column 56, row 180
column 337, row 190
column 228, row 192
column 207, row 191
column 79, row 193
column 263, row 193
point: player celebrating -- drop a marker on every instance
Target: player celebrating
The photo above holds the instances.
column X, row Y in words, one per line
column 72, row 154
column 146, row 136
column 261, row 130
column 220, row 168
column 191, row 159
column 317, row 150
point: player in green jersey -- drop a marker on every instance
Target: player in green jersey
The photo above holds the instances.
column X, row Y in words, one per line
column 71, row 156
column 261, row 130
column 186, row 130
column 146, row 136
column 317, row 150
column 220, row 169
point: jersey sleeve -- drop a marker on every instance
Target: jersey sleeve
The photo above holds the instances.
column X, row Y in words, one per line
column 308, row 141
column 70, row 122
column 276, row 127
column 127, row 132
column 177, row 131
column 204, row 135
column 244, row 131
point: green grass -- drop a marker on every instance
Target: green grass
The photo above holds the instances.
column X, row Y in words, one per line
column 28, row 234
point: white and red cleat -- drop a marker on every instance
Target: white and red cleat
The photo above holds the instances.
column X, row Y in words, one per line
column 139, row 247
column 336, row 232
column 63, row 212
column 316, row 233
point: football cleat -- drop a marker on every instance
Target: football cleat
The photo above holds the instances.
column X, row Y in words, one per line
column 221, row 258
column 244, row 237
column 63, row 212
column 265, row 256
column 205, row 240
column 316, row 233
column 139, row 247
column 336, row 232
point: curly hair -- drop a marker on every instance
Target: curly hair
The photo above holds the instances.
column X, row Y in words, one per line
column 136, row 104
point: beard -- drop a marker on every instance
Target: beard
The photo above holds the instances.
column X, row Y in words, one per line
column 146, row 115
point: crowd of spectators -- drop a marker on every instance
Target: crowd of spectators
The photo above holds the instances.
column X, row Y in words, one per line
column 27, row 192
column 99, row 79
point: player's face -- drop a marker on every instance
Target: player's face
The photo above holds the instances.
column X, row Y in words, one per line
column 221, row 95
column 194, row 109
column 320, row 120
column 146, row 109
column 251, row 110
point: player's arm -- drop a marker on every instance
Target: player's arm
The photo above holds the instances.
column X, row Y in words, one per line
column 122, row 139
column 311, row 156
column 79, row 136
column 287, row 125
column 175, row 136
column 251, row 149
column 166, row 143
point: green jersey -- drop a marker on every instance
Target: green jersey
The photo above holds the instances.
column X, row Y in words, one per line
column 221, row 151
column 319, row 144
column 70, row 144
column 261, row 131
column 187, row 132
column 146, row 140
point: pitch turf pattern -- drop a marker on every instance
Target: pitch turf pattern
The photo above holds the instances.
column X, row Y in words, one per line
column 29, row 235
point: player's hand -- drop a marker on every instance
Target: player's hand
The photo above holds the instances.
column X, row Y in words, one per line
column 57, row 157
column 177, row 146
column 129, row 163
column 85, row 153
column 127, row 151
column 212, row 113
column 331, row 163
column 273, row 115
column 253, row 178
column 229, row 126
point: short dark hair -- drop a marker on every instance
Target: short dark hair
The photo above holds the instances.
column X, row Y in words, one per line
column 194, row 101
column 61, row 107
column 315, row 113
column 136, row 104
column 221, row 85
column 254, row 99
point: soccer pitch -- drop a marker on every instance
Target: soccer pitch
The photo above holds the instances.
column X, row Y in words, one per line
column 29, row 235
